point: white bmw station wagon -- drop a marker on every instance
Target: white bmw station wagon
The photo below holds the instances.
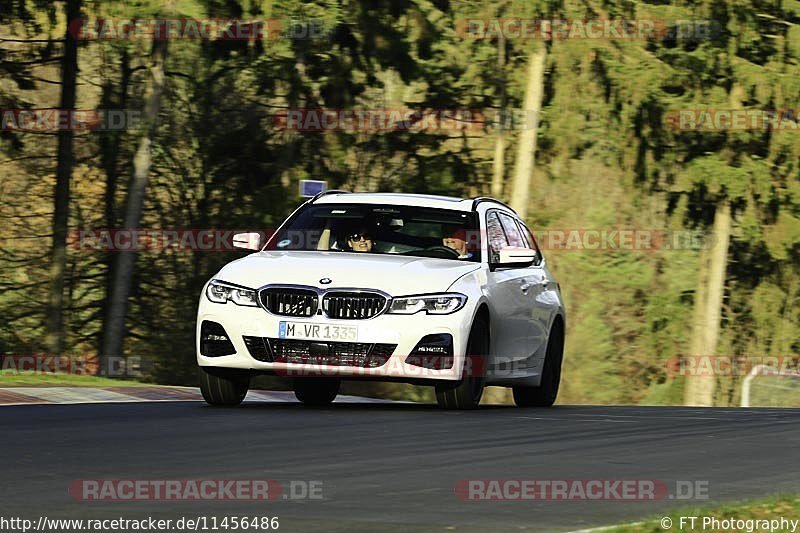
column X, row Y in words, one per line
column 429, row 290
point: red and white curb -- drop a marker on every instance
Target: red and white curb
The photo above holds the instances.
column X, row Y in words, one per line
column 77, row 395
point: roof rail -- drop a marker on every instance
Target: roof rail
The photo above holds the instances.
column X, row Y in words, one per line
column 480, row 199
column 323, row 193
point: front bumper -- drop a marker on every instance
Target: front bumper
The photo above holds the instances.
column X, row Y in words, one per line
column 403, row 330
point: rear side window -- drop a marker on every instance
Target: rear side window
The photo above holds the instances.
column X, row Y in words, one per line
column 495, row 236
column 512, row 231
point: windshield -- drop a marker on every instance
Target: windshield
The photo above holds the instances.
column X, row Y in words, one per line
column 382, row 229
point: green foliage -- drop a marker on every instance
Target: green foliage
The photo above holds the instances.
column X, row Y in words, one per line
column 758, row 512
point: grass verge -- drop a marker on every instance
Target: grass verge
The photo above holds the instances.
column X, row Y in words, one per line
column 30, row 378
column 750, row 516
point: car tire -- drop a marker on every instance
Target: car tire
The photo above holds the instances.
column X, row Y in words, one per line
column 223, row 389
column 545, row 394
column 466, row 394
column 316, row 392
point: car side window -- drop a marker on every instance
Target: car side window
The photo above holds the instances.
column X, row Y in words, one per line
column 512, row 231
column 495, row 236
column 526, row 233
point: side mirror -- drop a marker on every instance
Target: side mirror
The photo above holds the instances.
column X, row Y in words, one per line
column 247, row 241
column 515, row 256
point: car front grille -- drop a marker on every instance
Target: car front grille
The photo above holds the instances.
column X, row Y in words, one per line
column 286, row 301
column 358, row 354
column 336, row 304
column 353, row 305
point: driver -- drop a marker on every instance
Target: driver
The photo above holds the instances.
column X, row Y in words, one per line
column 360, row 241
column 455, row 238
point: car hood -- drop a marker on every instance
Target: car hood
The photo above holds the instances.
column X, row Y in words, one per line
column 395, row 275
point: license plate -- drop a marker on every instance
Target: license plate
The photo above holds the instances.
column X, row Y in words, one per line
column 322, row 332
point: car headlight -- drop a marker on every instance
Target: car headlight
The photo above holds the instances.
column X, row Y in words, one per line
column 221, row 292
column 432, row 304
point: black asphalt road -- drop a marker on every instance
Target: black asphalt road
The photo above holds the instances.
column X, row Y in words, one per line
column 390, row 466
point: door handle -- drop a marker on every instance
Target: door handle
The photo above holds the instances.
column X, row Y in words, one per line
column 525, row 287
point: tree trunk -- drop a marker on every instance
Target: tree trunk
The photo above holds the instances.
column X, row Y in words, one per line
column 111, row 141
column 498, row 164
column 114, row 329
column 534, row 91
column 708, row 307
column 55, row 339
column 110, row 147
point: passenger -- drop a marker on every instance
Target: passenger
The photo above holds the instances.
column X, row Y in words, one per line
column 360, row 241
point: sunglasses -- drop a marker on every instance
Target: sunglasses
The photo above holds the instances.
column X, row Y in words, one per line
column 360, row 237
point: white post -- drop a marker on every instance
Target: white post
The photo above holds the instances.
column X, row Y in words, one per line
column 746, row 385
column 766, row 370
